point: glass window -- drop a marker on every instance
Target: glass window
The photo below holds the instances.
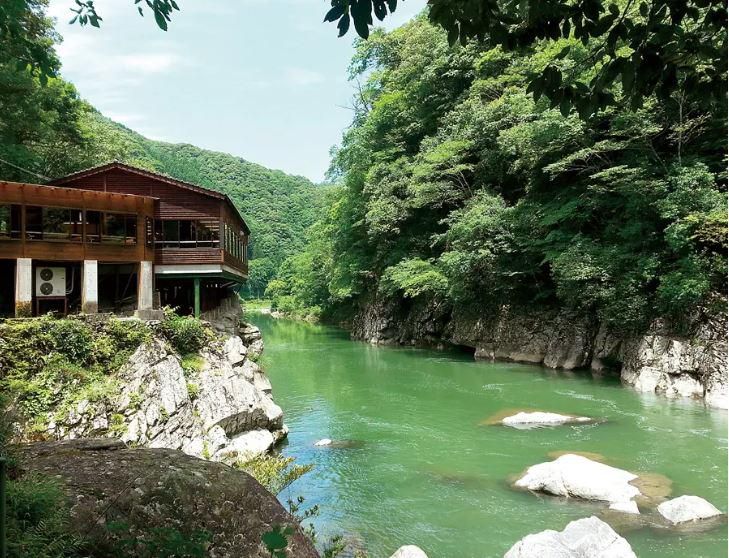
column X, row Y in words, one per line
column 114, row 228
column 10, row 221
column 171, row 231
column 131, row 229
column 33, row 222
column 188, row 235
column 119, row 228
column 93, row 226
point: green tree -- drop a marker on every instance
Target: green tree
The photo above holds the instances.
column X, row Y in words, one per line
column 665, row 47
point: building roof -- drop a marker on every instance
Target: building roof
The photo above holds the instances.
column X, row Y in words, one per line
column 114, row 165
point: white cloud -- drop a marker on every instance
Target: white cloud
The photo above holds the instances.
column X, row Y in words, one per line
column 302, row 76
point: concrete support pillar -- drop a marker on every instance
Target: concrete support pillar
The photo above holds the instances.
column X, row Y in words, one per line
column 145, row 286
column 197, row 296
column 90, row 287
column 23, row 288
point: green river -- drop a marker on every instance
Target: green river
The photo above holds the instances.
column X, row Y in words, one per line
column 424, row 470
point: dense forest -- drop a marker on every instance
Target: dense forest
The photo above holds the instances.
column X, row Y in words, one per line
column 47, row 130
column 456, row 187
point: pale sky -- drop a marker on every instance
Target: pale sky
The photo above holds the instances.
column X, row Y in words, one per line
column 264, row 80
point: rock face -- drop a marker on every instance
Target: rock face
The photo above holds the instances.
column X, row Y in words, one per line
column 679, row 366
column 409, row 551
column 584, row 538
column 223, row 410
column 687, row 508
column 690, row 364
column 577, row 476
column 160, row 488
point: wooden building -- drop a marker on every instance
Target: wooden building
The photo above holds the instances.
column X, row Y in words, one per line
column 124, row 238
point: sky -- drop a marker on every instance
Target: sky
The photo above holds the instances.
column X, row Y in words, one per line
column 264, row 80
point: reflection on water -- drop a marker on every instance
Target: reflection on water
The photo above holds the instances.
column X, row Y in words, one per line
column 423, row 471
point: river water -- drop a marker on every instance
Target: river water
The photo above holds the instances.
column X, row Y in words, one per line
column 423, row 469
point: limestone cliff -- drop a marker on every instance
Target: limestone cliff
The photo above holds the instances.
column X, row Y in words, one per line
column 659, row 360
column 221, row 408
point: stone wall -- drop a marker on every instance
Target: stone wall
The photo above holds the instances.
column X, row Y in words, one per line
column 660, row 360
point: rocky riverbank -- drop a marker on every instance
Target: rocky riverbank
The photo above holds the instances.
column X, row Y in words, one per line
column 216, row 404
column 689, row 364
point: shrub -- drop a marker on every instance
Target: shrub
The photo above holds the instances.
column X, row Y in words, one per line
column 128, row 334
column 185, row 333
column 37, row 520
column 193, row 390
column 275, row 472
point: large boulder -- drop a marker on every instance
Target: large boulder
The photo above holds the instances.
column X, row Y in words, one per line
column 525, row 419
column 573, row 475
column 585, row 538
column 409, row 551
column 146, row 489
column 687, row 508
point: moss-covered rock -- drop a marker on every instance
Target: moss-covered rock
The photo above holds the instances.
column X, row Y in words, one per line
column 147, row 491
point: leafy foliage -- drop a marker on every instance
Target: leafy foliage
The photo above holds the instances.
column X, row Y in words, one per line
column 275, row 472
column 186, row 334
column 664, row 47
column 458, row 186
column 49, row 364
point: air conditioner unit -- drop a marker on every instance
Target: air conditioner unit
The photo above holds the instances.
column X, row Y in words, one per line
column 50, row 281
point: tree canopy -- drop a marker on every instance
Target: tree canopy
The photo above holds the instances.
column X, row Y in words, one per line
column 459, row 189
column 666, row 47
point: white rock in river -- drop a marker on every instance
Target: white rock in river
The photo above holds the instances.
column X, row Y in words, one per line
column 323, row 442
column 538, row 418
column 626, row 507
column 574, row 475
column 687, row 508
column 584, row 538
column 409, row 551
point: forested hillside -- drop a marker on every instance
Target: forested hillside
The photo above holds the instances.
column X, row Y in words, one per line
column 278, row 207
column 458, row 188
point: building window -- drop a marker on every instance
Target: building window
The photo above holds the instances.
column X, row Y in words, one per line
column 111, row 228
column 173, row 233
column 119, row 228
column 53, row 223
column 93, row 226
column 10, row 221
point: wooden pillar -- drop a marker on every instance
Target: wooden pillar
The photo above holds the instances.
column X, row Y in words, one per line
column 197, row 296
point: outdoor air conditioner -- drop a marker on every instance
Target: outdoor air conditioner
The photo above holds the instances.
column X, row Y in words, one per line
column 50, row 281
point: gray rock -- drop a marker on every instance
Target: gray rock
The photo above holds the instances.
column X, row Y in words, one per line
column 409, row 551
column 539, row 418
column 577, row 476
column 584, row 538
column 231, row 397
column 687, row 508
column 161, row 488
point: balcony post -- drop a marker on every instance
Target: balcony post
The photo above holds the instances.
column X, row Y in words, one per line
column 197, row 296
column 90, row 287
column 23, row 287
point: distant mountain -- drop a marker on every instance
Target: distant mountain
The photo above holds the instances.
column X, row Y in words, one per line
column 277, row 206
